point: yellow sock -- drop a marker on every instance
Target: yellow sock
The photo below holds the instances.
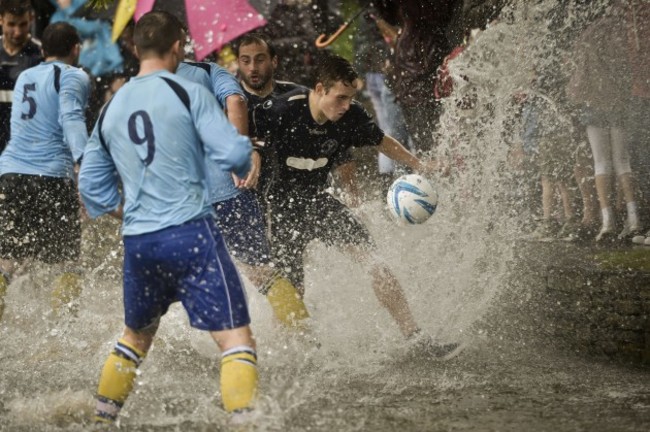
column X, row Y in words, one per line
column 4, row 285
column 238, row 378
column 67, row 288
column 286, row 303
column 116, row 380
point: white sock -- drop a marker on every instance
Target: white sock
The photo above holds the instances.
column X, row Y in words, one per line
column 632, row 215
column 608, row 217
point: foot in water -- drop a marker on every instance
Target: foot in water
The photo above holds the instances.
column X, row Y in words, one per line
column 244, row 420
column 425, row 345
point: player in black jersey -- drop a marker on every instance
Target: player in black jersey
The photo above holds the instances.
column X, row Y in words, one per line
column 309, row 133
column 18, row 51
column 257, row 61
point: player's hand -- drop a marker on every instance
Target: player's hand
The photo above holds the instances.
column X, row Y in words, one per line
column 434, row 166
column 250, row 182
column 351, row 199
column 428, row 167
column 253, row 175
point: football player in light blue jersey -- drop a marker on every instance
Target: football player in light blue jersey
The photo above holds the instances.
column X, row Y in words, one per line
column 239, row 216
column 226, row 89
column 39, row 207
column 154, row 135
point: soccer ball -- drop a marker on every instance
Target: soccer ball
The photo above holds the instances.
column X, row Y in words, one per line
column 412, row 199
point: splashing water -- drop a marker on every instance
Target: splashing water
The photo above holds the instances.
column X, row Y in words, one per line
column 362, row 376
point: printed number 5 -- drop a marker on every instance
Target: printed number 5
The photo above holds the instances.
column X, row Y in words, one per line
column 30, row 100
column 148, row 137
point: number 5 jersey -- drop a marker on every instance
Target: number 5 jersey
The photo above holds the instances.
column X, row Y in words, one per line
column 48, row 123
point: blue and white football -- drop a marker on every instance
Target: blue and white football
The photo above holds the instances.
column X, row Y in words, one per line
column 412, row 199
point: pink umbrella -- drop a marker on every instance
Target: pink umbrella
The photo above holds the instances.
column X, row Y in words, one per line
column 213, row 24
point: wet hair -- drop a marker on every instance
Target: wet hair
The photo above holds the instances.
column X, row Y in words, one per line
column 59, row 39
column 156, row 32
column 331, row 68
column 255, row 39
column 15, row 7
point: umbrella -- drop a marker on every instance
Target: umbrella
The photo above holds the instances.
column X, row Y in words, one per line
column 211, row 24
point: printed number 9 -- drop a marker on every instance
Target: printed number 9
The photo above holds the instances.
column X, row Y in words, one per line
column 148, row 134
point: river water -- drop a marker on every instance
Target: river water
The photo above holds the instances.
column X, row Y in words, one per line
column 360, row 375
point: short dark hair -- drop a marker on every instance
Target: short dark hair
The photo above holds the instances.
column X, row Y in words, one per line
column 156, row 32
column 15, row 7
column 331, row 68
column 59, row 39
column 255, row 39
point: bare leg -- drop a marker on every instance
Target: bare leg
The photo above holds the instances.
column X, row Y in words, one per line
column 390, row 295
column 604, row 190
column 587, row 187
column 567, row 201
column 547, row 198
column 227, row 339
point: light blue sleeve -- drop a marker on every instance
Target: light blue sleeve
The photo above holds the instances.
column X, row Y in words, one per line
column 223, row 144
column 98, row 178
column 224, row 84
column 73, row 99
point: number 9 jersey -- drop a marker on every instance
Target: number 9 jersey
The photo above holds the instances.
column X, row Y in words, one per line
column 156, row 133
column 48, row 124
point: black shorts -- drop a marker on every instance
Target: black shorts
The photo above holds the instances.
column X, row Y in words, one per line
column 295, row 223
column 39, row 218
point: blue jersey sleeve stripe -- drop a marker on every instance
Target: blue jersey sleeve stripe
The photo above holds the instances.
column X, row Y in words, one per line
column 57, row 78
column 180, row 92
column 201, row 65
column 100, row 122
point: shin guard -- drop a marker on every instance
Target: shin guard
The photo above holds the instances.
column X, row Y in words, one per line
column 238, row 378
column 66, row 292
column 116, row 380
column 286, row 303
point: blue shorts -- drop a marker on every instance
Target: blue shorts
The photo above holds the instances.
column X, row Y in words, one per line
column 241, row 223
column 187, row 263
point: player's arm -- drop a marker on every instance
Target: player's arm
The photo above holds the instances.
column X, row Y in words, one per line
column 230, row 94
column 98, row 180
column 400, row 154
column 237, row 111
column 223, row 144
column 73, row 99
column 347, row 173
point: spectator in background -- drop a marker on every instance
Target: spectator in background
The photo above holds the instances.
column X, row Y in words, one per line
column 293, row 26
column 548, row 129
column 602, row 85
column 18, row 52
column 372, row 52
column 99, row 55
column 420, row 49
column 638, row 35
column 430, row 29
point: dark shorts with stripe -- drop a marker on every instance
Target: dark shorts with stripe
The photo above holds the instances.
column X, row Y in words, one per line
column 187, row 263
column 295, row 223
column 39, row 218
column 242, row 225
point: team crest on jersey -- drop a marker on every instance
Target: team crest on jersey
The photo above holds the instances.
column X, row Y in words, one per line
column 267, row 104
column 329, row 146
